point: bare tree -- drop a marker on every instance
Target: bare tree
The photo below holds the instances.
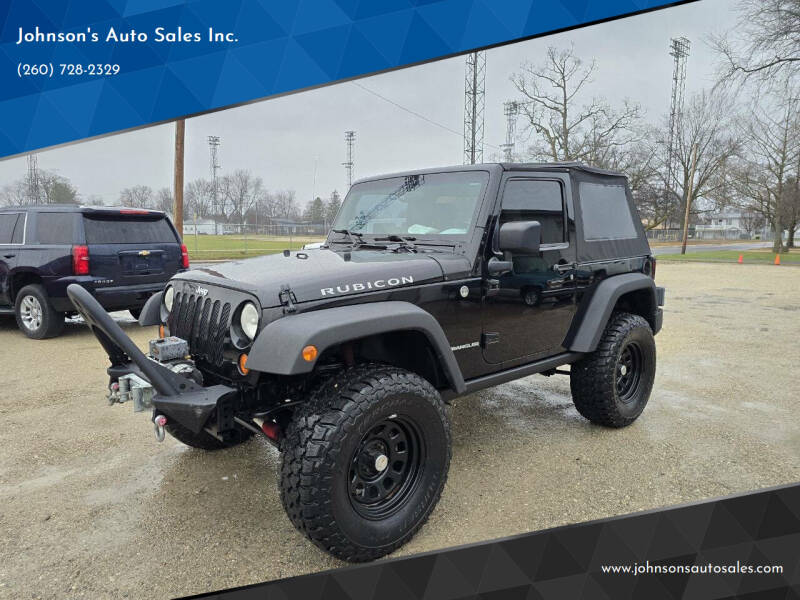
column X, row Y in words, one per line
column 199, row 198
column 240, row 190
column 164, row 200
column 14, row 193
column 286, row 205
column 565, row 128
column 708, row 124
column 764, row 44
column 772, row 156
column 138, row 196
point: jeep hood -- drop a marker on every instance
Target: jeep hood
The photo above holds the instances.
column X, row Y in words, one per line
column 325, row 273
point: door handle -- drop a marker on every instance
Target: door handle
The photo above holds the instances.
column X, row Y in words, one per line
column 9, row 255
column 562, row 268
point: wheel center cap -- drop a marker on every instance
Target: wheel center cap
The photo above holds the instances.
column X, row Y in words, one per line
column 623, row 370
column 381, row 462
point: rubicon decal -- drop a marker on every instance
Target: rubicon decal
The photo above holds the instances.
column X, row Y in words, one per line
column 367, row 285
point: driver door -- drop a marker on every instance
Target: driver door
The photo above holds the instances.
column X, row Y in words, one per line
column 528, row 311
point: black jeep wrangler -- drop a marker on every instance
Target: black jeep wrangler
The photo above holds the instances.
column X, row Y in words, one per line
column 431, row 284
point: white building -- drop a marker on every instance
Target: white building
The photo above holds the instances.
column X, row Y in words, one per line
column 204, row 227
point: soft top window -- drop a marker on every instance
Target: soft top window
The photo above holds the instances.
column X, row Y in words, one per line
column 606, row 212
column 116, row 230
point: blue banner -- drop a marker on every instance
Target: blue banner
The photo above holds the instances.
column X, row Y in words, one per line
column 72, row 69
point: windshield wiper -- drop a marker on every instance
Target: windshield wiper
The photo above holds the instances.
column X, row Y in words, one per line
column 352, row 235
column 400, row 242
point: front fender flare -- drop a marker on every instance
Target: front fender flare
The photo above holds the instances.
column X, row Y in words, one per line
column 278, row 347
column 151, row 313
column 590, row 322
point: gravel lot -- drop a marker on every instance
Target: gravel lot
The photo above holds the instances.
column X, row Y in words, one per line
column 91, row 506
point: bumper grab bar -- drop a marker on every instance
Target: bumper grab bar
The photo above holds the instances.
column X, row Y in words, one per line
column 119, row 346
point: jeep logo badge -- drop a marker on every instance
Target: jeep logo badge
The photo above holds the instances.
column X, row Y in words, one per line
column 200, row 291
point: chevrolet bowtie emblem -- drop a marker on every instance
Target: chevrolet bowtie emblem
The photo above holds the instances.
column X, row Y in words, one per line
column 144, row 252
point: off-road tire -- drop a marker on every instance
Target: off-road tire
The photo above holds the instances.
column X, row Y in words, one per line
column 204, row 440
column 51, row 322
column 323, row 442
column 594, row 378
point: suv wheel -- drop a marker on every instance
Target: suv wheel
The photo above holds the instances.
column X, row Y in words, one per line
column 365, row 460
column 35, row 315
column 611, row 385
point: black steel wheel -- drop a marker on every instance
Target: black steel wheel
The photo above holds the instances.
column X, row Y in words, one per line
column 629, row 372
column 385, row 467
column 364, row 461
column 611, row 386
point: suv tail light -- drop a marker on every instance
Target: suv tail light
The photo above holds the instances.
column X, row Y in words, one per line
column 80, row 260
column 184, row 256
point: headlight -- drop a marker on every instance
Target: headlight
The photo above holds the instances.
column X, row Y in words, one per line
column 169, row 296
column 248, row 320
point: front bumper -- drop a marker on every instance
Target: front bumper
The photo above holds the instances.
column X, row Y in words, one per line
column 177, row 397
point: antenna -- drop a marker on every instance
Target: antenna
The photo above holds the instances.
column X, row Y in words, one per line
column 679, row 50
column 510, row 110
column 33, row 191
column 474, row 102
column 213, row 145
column 349, row 138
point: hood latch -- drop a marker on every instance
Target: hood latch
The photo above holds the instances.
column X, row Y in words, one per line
column 287, row 299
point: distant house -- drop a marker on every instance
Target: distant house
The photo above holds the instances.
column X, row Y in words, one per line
column 731, row 224
column 204, row 227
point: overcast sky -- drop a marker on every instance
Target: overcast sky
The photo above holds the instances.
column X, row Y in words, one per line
column 287, row 140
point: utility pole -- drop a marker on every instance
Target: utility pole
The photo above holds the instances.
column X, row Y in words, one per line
column 689, row 192
column 474, row 103
column 177, row 211
column 349, row 138
column 510, row 110
column 679, row 51
column 213, row 145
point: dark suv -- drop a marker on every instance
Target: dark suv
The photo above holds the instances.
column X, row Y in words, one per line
column 431, row 285
column 120, row 255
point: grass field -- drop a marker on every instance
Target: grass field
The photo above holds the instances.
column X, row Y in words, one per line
column 748, row 257
column 214, row 247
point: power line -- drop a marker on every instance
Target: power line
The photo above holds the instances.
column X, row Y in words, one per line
column 415, row 113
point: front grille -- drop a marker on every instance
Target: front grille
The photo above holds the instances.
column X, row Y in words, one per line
column 203, row 322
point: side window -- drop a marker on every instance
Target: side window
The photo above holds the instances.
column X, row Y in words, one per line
column 535, row 200
column 19, row 230
column 8, row 223
column 605, row 212
column 55, row 228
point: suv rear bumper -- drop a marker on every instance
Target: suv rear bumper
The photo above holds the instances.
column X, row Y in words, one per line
column 177, row 397
column 111, row 298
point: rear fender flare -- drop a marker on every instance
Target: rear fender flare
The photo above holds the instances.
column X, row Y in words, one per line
column 279, row 345
column 590, row 322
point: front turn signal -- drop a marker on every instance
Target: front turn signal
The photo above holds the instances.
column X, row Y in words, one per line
column 309, row 353
column 162, row 331
column 243, row 364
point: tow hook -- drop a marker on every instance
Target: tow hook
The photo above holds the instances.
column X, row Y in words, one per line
column 158, row 424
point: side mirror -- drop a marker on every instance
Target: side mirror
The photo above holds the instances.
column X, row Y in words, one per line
column 520, row 237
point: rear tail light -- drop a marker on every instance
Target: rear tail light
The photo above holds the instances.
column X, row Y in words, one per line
column 80, row 260
column 184, row 256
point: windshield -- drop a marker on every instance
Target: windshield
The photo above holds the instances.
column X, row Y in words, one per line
column 433, row 204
